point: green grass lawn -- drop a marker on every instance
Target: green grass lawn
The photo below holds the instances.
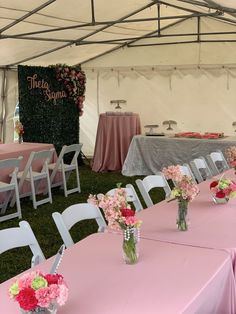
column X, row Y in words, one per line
column 17, row 260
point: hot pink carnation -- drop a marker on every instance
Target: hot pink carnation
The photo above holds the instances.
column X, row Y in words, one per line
column 27, row 300
column 127, row 212
column 53, row 278
column 220, row 194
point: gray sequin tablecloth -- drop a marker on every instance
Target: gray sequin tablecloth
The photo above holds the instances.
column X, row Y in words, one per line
column 149, row 154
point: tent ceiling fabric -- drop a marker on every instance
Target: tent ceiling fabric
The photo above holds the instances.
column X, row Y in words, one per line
column 43, row 32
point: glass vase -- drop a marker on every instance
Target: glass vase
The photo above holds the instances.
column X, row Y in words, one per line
column 182, row 215
column 218, row 200
column 131, row 238
column 42, row 310
column 20, row 139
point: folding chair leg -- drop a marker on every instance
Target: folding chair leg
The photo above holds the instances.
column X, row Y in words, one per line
column 49, row 188
column 4, row 206
column 33, row 193
column 13, row 201
column 64, row 183
column 78, row 179
column 18, row 202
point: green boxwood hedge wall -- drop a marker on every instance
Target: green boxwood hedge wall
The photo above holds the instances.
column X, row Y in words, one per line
column 53, row 121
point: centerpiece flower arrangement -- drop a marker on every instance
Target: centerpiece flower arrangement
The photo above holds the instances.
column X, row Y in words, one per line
column 39, row 293
column 231, row 156
column 185, row 191
column 19, row 128
column 222, row 190
column 120, row 216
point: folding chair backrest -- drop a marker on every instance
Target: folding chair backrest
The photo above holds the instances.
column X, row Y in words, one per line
column 45, row 155
column 131, row 196
column 66, row 149
column 60, row 161
column 28, row 174
column 10, row 163
column 74, row 214
column 10, row 167
column 19, row 237
column 217, row 162
column 150, row 182
column 186, row 170
column 73, row 148
column 200, row 169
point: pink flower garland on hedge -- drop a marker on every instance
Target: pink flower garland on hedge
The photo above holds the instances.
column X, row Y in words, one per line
column 74, row 81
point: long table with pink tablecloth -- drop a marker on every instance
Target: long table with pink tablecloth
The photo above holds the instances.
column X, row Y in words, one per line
column 210, row 225
column 168, row 279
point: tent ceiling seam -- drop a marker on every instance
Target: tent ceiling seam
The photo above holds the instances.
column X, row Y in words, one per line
column 82, row 38
column 26, row 15
column 132, row 41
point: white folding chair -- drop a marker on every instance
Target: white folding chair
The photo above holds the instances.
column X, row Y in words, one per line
column 19, row 237
column 61, row 167
column 217, row 162
column 8, row 189
column 200, row 169
column 74, row 214
column 35, row 176
column 150, row 182
column 131, row 196
column 186, row 170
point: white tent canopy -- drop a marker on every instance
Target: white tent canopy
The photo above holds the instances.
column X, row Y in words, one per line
column 174, row 58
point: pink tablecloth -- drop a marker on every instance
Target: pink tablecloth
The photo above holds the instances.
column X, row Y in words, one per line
column 210, row 225
column 168, row 279
column 14, row 150
column 114, row 135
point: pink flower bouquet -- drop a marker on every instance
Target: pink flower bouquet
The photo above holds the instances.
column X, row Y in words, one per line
column 185, row 191
column 223, row 189
column 120, row 216
column 117, row 211
column 231, row 156
column 185, row 188
column 19, row 128
column 36, row 292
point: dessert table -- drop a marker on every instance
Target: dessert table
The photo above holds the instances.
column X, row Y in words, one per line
column 167, row 279
column 210, row 225
column 149, row 154
column 114, row 134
